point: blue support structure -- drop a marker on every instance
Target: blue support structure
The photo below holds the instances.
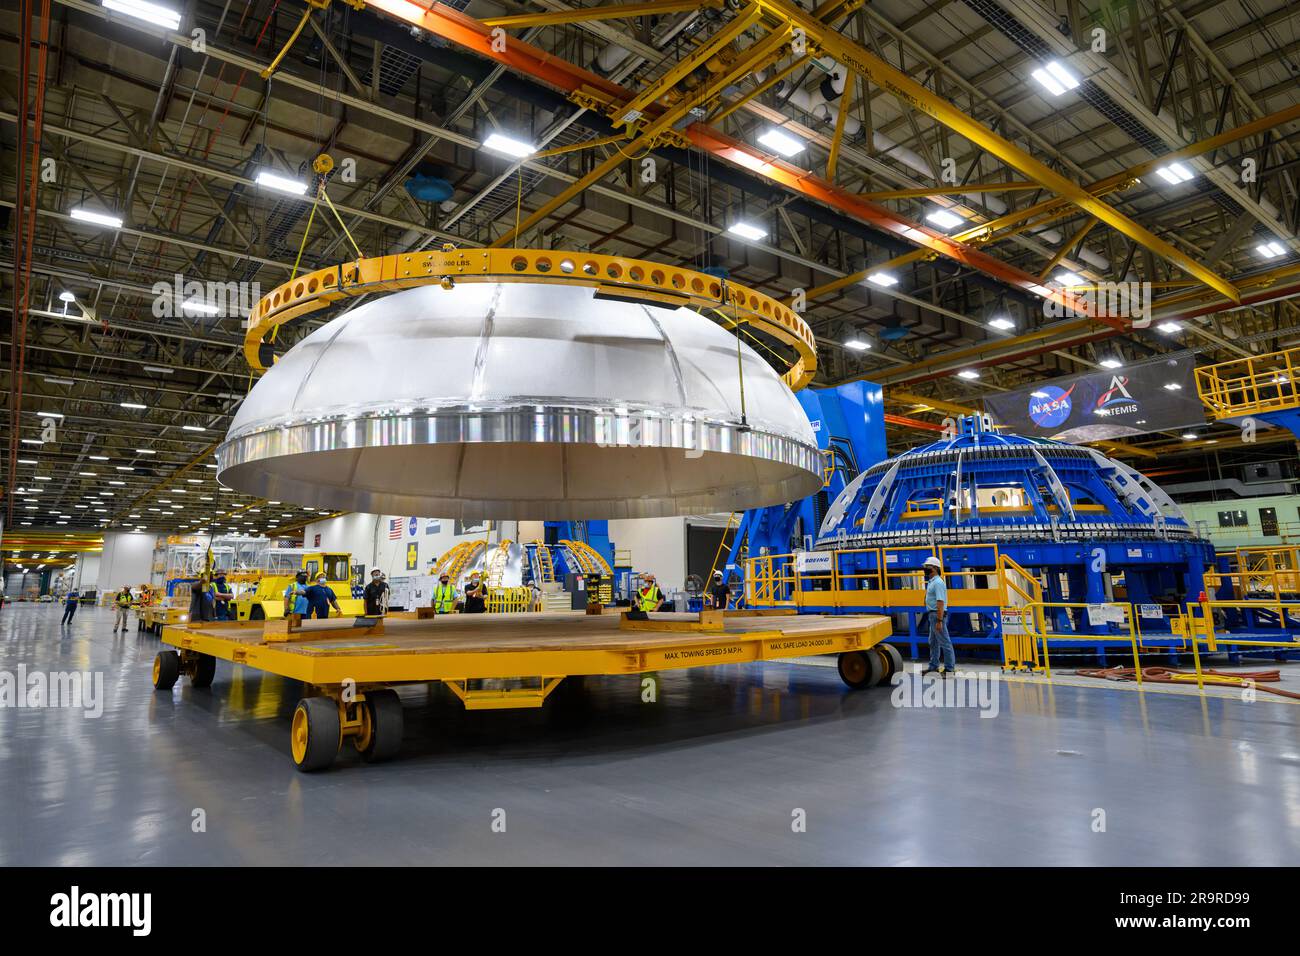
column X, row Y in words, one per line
column 849, row 422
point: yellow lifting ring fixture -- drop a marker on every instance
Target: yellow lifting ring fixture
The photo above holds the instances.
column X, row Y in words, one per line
column 617, row 275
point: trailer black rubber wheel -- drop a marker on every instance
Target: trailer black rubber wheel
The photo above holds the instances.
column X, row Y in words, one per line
column 861, row 669
column 385, row 725
column 892, row 659
column 315, row 734
column 205, row 668
column 166, row 669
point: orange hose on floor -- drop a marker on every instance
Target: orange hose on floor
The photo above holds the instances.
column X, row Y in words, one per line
column 1170, row 675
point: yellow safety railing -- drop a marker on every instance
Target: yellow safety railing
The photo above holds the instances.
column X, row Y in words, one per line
column 1258, row 585
column 1022, row 592
column 509, row 600
column 775, row 579
column 1037, row 624
column 1201, row 630
column 1260, row 383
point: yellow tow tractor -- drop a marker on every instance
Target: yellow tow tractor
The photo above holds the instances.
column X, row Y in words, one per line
column 266, row 603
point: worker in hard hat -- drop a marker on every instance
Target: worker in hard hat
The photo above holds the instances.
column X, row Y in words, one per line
column 936, row 609
column 719, row 594
column 223, row 594
column 475, row 594
column 648, row 596
column 376, row 594
column 295, row 595
column 444, row 595
column 320, row 597
column 122, row 602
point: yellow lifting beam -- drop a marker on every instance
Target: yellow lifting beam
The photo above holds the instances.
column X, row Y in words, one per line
column 912, row 94
column 620, row 275
column 615, row 11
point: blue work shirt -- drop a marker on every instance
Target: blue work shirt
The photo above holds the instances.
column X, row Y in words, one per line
column 298, row 593
column 936, row 591
column 73, row 598
column 319, row 598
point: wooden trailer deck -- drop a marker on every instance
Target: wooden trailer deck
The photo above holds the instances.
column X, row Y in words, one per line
column 350, row 662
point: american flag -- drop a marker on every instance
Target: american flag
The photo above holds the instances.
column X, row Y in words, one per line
column 395, row 529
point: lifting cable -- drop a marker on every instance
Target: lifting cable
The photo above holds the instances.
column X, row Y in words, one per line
column 274, row 64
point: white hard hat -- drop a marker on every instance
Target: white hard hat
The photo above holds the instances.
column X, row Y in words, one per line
column 932, row 562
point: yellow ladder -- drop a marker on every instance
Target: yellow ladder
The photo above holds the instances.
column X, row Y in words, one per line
column 545, row 571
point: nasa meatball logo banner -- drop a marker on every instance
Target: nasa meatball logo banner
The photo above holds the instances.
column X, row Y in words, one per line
column 1150, row 396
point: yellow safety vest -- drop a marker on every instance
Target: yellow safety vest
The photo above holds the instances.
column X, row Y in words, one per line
column 444, row 598
column 649, row 598
column 123, row 600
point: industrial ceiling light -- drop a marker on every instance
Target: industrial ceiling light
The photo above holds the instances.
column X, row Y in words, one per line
column 60, row 381
column 1173, row 387
column 782, row 143
column 509, row 146
column 1002, row 324
column 968, row 373
column 885, row 279
column 858, row 345
column 578, row 405
column 1169, row 328
column 1111, row 363
column 945, row 219
column 98, row 457
column 280, row 183
column 1055, row 77
column 193, row 428
column 145, row 451
column 747, row 231
column 48, row 414
column 97, row 218
column 32, row 441
column 1175, row 173
column 1271, row 249
column 193, row 307
column 1068, row 279
column 132, row 405
column 65, row 297
column 1190, row 436
column 148, row 12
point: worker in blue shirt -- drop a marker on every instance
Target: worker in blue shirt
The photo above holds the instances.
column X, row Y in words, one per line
column 295, row 596
column 70, row 606
column 936, row 608
column 319, row 598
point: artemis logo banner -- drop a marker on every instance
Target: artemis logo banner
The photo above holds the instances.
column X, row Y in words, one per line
column 1149, row 396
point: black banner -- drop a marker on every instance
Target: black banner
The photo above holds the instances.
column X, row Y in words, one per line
column 1151, row 396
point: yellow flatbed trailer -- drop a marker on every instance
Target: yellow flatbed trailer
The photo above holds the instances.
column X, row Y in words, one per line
column 155, row 617
column 349, row 666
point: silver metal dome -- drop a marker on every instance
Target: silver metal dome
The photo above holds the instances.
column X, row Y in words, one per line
column 521, row 400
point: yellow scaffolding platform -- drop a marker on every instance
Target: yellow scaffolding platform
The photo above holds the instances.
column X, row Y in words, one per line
column 349, row 668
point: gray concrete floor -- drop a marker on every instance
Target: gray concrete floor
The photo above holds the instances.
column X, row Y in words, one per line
column 711, row 774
